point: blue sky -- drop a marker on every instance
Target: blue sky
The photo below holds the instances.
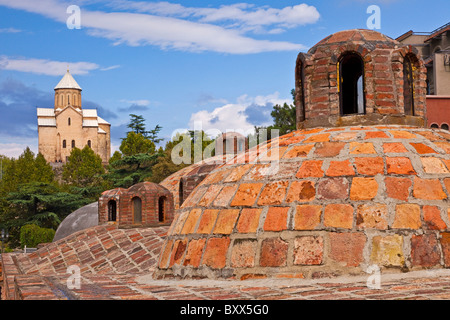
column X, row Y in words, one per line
column 219, row 64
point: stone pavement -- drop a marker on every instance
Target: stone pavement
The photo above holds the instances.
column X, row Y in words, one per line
column 421, row 285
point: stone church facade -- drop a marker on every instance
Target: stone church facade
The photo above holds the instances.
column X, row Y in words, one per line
column 68, row 125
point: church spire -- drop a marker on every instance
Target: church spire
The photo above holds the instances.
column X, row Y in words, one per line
column 67, row 82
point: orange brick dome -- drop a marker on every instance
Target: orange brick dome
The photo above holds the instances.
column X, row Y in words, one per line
column 338, row 201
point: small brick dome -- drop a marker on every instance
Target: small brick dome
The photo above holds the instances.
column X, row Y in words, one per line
column 357, row 77
column 144, row 204
column 337, row 201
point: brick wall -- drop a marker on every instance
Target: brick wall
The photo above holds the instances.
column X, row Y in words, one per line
column 438, row 111
column 149, row 194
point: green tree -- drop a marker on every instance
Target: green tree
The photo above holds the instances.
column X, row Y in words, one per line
column 137, row 125
column 83, row 168
column 31, row 235
column 39, row 203
column 200, row 141
column 116, row 156
column 131, row 169
column 29, row 168
column 284, row 118
column 137, row 157
column 165, row 166
column 43, row 170
column 136, row 143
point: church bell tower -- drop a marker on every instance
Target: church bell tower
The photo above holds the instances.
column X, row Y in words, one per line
column 67, row 93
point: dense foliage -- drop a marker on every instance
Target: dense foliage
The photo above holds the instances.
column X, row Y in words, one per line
column 30, row 194
column 31, row 235
column 32, row 198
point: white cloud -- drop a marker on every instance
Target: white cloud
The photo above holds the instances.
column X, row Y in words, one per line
column 240, row 15
column 110, row 68
column 141, row 103
column 168, row 32
column 136, row 29
column 9, row 30
column 44, row 66
column 14, row 150
column 238, row 116
column 258, row 16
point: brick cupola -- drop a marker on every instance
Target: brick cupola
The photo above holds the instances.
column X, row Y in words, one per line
column 145, row 204
column 360, row 77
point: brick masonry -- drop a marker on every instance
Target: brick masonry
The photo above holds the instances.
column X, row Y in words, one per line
column 318, row 81
column 96, row 251
column 378, row 197
column 155, row 199
column 183, row 182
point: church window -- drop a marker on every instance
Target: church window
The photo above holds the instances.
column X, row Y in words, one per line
column 73, row 143
column 64, row 144
column 68, row 121
column 68, row 99
column 89, row 143
column 351, row 84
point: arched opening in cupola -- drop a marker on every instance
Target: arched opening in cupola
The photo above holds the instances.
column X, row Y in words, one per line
column 351, row 84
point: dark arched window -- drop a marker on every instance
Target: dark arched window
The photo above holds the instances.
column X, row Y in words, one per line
column 68, row 99
column 64, row 144
column 300, row 91
column 351, row 84
column 137, row 210
column 224, row 146
column 73, row 143
column 434, row 126
column 445, row 126
column 180, row 193
column 112, row 210
column 68, row 121
column 89, row 144
column 408, row 86
column 161, row 208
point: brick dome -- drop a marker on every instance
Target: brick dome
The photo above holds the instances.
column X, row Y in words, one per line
column 145, row 204
column 359, row 76
column 361, row 182
column 184, row 181
column 146, row 186
column 337, row 201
